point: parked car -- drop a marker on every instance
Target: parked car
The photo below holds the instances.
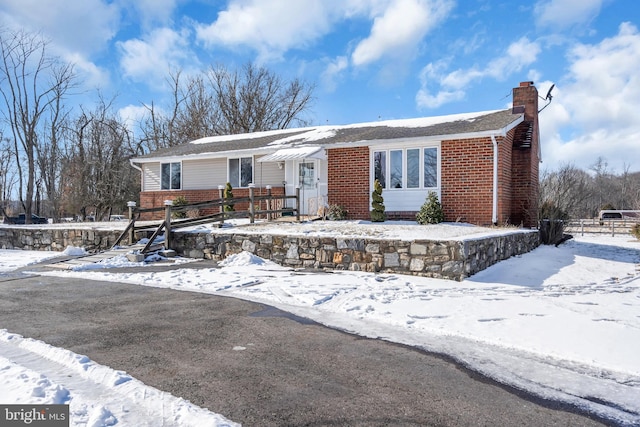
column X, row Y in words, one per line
column 20, row 219
column 117, row 218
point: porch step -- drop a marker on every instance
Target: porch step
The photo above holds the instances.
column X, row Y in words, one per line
column 70, row 263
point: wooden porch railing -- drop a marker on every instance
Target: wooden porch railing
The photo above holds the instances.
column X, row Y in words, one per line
column 169, row 223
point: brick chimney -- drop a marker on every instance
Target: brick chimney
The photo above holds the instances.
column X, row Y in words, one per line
column 525, row 157
column 526, row 95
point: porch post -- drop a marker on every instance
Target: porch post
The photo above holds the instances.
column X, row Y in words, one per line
column 221, row 194
column 132, row 234
column 252, row 208
column 167, row 224
column 298, row 203
column 269, row 203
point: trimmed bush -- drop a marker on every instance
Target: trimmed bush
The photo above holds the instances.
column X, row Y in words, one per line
column 228, row 194
column 377, row 203
column 336, row 213
column 431, row 210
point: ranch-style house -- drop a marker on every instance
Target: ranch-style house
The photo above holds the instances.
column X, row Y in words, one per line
column 483, row 166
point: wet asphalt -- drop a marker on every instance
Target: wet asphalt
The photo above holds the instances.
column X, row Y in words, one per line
column 259, row 366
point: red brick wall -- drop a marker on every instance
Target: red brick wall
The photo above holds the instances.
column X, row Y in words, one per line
column 525, row 176
column 467, row 180
column 151, row 199
column 505, row 189
column 348, row 180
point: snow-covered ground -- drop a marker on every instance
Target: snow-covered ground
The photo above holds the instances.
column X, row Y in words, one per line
column 560, row 322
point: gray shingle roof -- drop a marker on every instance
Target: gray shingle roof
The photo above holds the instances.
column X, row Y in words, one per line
column 491, row 121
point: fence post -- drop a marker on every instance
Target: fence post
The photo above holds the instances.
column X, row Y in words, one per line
column 252, row 208
column 167, row 224
column 132, row 233
column 221, row 194
column 613, row 228
column 582, row 227
column 269, row 203
column 298, row 203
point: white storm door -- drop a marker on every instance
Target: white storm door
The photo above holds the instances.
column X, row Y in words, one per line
column 307, row 171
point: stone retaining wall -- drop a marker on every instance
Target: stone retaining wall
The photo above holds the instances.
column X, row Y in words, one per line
column 440, row 259
column 35, row 238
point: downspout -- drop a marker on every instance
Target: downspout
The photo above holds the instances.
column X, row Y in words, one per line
column 494, row 214
column 135, row 166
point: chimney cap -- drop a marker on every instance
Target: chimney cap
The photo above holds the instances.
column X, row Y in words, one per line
column 526, row 84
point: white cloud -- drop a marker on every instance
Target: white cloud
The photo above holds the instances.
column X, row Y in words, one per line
column 400, row 28
column 333, row 71
column 605, row 87
column 599, row 99
column 132, row 115
column 89, row 73
column 96, row 21
column 561, row 14
column 270, row 27
column 149, row 60
column 424, row 98
column 151, row 12
column 451, row 86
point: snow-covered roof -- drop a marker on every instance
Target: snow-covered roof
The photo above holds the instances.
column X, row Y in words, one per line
column 458, row 125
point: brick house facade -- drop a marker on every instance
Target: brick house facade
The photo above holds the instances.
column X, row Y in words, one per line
column 486, row 170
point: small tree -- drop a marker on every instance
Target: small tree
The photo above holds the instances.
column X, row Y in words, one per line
column 228, row 194
column 430, row 211
column 178, row 202
column 377, row 203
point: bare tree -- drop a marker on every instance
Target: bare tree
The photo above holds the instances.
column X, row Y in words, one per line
column 8, row 177
column 98, row 174
column 31, row 83
column 221, row 102
column 565, row 193
column 256, row 99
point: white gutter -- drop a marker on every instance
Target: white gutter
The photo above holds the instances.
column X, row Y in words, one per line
column 135, row 166
column 494, row 214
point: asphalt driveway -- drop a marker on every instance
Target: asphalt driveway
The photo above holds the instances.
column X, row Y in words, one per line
column 257, row 366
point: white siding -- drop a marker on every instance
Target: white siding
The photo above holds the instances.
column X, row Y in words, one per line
column 203, row 174
column 151, row 177
column 267, row 173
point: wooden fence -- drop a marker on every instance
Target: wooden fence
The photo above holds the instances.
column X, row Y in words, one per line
column 275, row 206
column 597, row 226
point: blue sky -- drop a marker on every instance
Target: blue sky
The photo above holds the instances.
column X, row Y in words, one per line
column 375, row 59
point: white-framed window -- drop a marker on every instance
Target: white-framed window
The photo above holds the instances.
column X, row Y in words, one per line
column 241, row 171
column 171, row 176
column 410, row 168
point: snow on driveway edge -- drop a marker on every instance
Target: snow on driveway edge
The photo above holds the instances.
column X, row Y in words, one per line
column 173, row 410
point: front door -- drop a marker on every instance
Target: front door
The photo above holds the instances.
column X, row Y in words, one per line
column 308, row 183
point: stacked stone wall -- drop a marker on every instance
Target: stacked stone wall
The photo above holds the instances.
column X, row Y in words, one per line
column 454, row 259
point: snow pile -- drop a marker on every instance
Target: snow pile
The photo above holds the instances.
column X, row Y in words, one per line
column 38, row 373
column 74, row 251
column 389, row 230
column 13, row 259
column 244, row 259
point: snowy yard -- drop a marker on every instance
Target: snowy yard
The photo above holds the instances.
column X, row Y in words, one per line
column 560, row 322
